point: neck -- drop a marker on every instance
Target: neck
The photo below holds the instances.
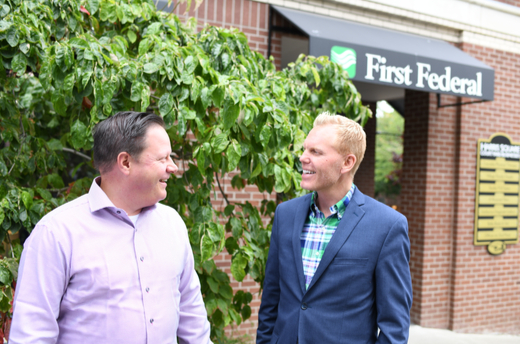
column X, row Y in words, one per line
column 328, row 198
column 118, row 194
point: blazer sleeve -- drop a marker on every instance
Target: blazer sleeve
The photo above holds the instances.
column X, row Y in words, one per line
column 394, row 285
column 268, row 312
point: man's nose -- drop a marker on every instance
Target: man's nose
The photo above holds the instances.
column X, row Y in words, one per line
column 171, row 168
column 304, row 157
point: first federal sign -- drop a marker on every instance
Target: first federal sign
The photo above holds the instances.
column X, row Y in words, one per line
column 369, row 64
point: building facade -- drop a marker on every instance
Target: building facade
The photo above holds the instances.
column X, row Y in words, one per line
column 459, row 283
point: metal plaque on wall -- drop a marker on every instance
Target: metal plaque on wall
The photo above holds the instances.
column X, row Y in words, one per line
column 497, row 193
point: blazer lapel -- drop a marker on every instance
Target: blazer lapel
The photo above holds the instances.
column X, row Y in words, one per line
column 299, row 221
column 350, row 219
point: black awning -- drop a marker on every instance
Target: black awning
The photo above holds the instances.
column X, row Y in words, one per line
column 391, row 58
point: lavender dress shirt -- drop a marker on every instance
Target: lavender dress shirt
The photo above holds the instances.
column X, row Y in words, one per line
column 88, row 275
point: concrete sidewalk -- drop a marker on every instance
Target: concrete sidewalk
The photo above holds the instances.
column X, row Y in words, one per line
column 422, row 335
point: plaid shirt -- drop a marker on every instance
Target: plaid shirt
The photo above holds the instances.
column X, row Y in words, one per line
column 317, row 232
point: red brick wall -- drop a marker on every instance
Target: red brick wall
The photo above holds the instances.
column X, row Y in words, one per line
column 458, row 285
column 486, row 289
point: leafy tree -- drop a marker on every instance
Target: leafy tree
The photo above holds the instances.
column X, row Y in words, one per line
column 65, row 65
column 389, row 153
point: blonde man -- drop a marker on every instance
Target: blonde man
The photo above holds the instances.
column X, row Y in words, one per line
column 337, row 270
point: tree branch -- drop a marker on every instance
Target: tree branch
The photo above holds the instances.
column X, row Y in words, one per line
column 220, row 187
column 70, row 150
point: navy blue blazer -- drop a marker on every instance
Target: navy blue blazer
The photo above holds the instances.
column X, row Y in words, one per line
column 362, row 283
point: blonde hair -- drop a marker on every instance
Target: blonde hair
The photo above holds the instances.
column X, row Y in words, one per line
column 351, row 138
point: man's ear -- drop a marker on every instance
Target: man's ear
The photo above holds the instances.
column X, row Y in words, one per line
column 123, row 162
column 348, row 163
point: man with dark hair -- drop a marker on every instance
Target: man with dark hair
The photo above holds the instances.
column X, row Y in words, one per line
column 113, row 266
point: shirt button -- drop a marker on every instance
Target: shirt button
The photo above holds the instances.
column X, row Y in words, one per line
column 142, row 258
column 151, row 321
column 317, row 253
column 147, row 290
column 304, row 306
column 119, row 212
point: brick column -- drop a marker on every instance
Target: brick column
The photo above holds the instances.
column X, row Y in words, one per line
column 428, row 198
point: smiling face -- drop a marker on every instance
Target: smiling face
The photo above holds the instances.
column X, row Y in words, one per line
column 152, row 168
column 325, row 170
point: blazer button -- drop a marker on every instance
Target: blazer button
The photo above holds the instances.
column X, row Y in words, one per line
column 304, row 306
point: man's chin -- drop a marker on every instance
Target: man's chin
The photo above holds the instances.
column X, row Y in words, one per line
column 306, row 187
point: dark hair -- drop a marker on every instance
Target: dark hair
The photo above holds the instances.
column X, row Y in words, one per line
column 123, row 132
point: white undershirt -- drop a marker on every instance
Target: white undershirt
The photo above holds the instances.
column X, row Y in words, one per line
column 134, row 218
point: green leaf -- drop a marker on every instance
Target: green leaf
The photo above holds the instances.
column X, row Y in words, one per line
column 238, row 265
column 27, row 199
column 236, row 227
column 226, row 292
column 2, row 215
column 4, row 10
column 231, row 245
column 213, row 285
column 229, row 209
column 246, row 312
column 206, row 248
column 79, row 43
column 46, row 195
column 144, row 46
column 298, row 140
column 218, row 96
column 93, row 6
column 5, row 276
column 58, row 102
column 13, row 36
column 145, row 98
column 211, row 306
column 166, row 104
column 233, row 154
column 190, row 64
column 55, row 180
column 23, row 215
column 187, row 113
column 68, row 83
column 107, row 11
column 219, row 143
column 230, row 114
column 85, row 78
column 19, row 64
column 316, row 76
column 135, row 94
column 132, row 37
column 78, row 133
column 150, row 68
column 3, row 168
column 205, row 97
column 265, row 136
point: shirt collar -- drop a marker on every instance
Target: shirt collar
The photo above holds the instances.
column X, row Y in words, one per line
column 338, row 208
column 98, row 199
